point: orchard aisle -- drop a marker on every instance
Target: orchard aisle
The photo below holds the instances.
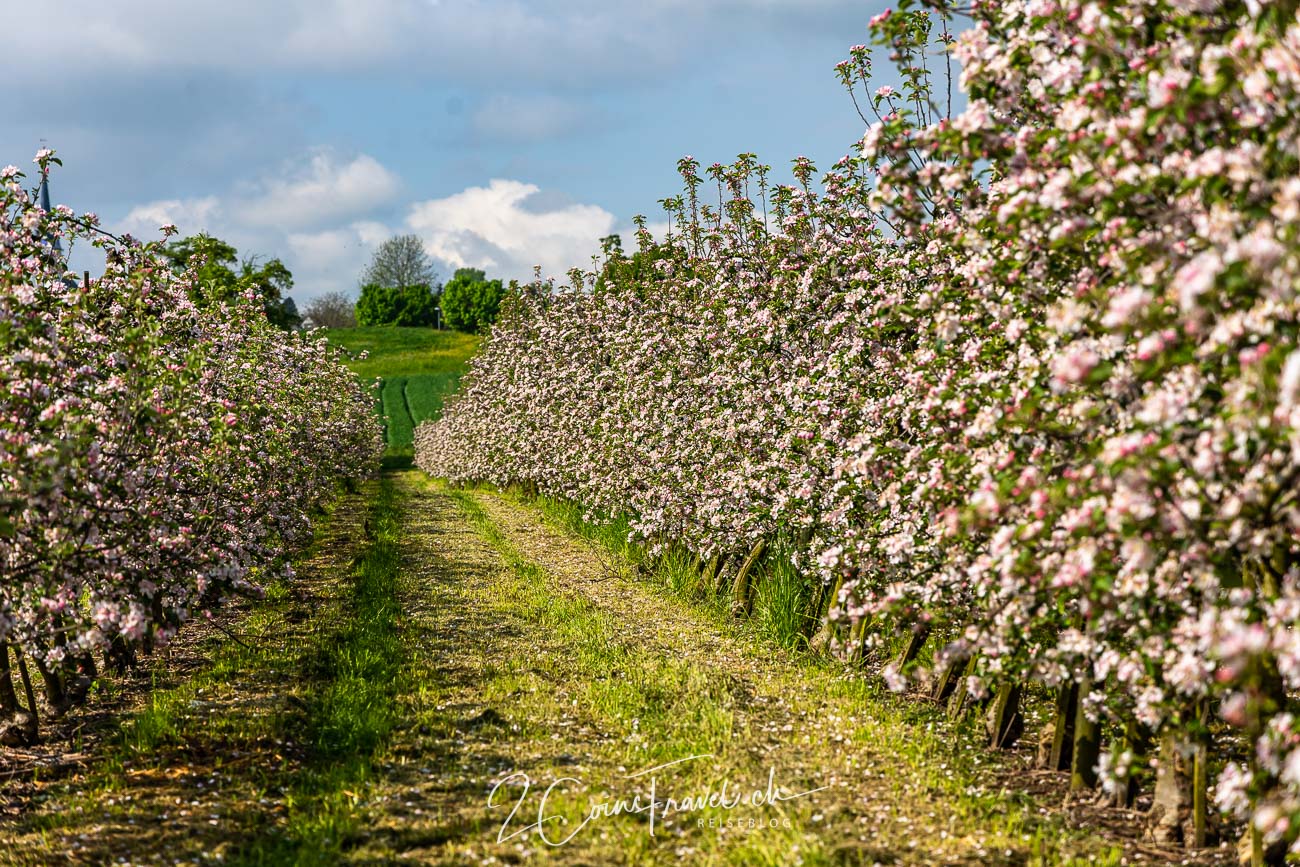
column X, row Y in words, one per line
column 438, row 642
column 539, row 658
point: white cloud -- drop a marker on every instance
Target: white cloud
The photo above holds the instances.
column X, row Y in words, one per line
column 191, row 216
column 547, row 39
column 493, row 228
column 315, row 223
column 324, row 250
column 313, row 219
column 372, row 234
column 327, row 260
column 323, row 191
column 333, row 258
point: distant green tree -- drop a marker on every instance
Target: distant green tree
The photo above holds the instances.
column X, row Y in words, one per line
column 293, row 319
column 397, row 305
column 218, row 257
column 224, row 275
column 470, row 301
column 612, row 246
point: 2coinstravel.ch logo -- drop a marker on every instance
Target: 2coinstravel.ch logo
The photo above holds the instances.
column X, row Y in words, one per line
column 552, row 828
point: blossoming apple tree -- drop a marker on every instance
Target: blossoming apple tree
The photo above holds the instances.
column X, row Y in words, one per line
column 159, row 450
column 1018, row 390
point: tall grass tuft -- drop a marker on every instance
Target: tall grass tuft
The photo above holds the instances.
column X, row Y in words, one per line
column 782, row 600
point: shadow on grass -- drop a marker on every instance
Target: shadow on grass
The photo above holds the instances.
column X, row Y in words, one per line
column 397, row 460
column 260, row 757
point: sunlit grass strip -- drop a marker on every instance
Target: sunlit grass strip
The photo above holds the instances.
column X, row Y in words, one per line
column 351, row 711
column 923, row 746
column 688, row 714
column 780, row 606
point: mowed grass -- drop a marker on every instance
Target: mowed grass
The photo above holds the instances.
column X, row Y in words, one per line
column 417, row 368
column 665, row 679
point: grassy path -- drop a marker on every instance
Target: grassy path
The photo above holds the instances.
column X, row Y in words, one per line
column 438, row 643
column 540, row 658
column 626, row 678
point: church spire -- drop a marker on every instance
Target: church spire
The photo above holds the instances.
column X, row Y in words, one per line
column 45, row 201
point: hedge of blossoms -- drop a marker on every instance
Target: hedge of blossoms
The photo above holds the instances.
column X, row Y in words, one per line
column 1051, row 417
column 1114, row 457
column 159, row 453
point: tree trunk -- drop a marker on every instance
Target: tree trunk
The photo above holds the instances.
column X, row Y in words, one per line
column 58, row 698
column 119, row 656
column 1136, row 740
column 1087, row 744
column 815, row 606
column 960, row 701
column 709, row 574
column 742, row 596
column 945, row 682
column 27, row 685
column 720, row 579
column 86, row 672
column 1004, row 722
column 1265, row 695
column 1057, row 748
column 17, row 724
column 826, row 631
column 1170, row 820
column 856, row 649
column 1200, row 781
column 915, row 642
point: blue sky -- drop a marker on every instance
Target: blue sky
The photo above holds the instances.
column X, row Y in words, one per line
column 507, row 134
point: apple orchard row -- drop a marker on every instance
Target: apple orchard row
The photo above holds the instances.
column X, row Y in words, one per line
column 1016, row 389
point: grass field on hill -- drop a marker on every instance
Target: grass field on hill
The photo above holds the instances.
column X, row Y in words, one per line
column 417, row 367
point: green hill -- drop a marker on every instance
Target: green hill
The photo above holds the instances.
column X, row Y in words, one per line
column 417, row 367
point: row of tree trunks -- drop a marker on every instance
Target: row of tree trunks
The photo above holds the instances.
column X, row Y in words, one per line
column 1072, row 742
column 19, row 726
column 62, row 687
